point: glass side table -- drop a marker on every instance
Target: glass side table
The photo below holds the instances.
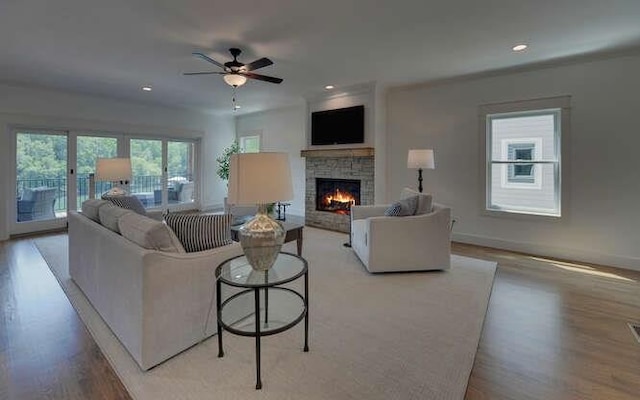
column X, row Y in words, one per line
column 287, row 308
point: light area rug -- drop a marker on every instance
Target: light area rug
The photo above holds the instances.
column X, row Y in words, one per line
column 384, row 336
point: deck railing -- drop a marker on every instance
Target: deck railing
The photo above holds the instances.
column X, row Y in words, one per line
column 140, row 184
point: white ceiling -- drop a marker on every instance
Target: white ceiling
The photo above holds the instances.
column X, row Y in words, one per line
column 113, row 47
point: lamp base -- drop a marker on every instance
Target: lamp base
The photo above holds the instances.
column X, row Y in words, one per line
column 261, row 239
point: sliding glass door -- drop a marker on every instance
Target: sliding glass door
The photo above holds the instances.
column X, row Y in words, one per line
column 88, row 150
column 147, row 168
column 163, row 172
column 52, row 171
column 41, row 180
column 180, row 172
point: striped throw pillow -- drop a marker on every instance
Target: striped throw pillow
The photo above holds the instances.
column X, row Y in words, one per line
column 198, row 232
column 129, row 202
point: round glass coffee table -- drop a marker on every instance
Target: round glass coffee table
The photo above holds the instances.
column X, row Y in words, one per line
column 262, row 306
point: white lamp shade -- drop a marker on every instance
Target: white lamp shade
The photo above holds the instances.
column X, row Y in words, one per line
column 259, row 178
column 234, row 79
column 113, row 169
column 421, row 158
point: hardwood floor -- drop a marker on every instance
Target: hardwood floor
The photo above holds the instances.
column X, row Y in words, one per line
column 45, row 350
column 554, row 330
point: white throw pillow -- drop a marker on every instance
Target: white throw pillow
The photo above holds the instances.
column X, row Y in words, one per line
column 91, row 208
column 403, row 208
column 110, row 215
column 425, row 200
column 149, row 233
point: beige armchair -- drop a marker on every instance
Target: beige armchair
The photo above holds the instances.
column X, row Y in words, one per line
column 411, row 243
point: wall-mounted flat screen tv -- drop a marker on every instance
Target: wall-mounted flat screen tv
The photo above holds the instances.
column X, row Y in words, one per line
column 341, row 126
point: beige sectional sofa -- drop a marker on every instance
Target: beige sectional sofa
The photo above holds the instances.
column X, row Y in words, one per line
column 155, row 302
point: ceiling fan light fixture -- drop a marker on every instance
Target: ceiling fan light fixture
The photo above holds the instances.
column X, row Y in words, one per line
column 235, row 80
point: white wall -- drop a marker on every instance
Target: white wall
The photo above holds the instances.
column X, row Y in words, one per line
column 281, row 130
column 218, row 136
column 41, row 108
column 601, row 223
column 380, row 144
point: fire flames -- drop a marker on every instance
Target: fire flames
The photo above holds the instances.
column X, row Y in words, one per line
column 338, row 202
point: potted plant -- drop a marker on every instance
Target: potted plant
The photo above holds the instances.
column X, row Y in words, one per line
column 223, row 166
column 223, row 161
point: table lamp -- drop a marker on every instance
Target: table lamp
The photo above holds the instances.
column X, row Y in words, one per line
column 117, row 170
column 262, row 179
column 419, row 159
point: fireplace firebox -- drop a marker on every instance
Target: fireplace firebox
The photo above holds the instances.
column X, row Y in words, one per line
column 337, row 195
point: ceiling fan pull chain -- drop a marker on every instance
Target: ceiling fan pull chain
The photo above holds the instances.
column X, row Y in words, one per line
column 233, row 100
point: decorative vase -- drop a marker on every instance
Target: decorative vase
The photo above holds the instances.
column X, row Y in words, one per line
column 261, row 239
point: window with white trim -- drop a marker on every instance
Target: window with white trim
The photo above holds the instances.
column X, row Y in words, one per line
column 250, row 144
column 523, row 162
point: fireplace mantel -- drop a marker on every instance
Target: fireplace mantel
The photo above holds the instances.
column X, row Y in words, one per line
column 349, row 152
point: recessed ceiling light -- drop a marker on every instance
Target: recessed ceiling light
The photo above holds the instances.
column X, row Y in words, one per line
column 147, row 88
column 329, row 87
column 520, row 47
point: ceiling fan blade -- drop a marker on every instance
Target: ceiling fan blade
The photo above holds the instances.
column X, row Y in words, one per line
column 208, row 59
column 265, row 78
column 203, row 73
column 263, row 62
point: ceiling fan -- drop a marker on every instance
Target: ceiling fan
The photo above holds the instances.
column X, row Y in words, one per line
column 234, row 72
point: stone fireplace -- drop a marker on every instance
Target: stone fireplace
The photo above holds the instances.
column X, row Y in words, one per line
column 335, row 180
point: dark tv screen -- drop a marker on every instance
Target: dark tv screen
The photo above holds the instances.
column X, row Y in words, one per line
column 341, row 126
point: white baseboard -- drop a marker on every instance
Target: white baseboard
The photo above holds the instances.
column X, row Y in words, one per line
column 593, row 257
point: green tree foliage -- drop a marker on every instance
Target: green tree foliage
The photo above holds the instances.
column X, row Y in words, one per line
column 180, row 157
column 41, row 156
column 90, row 148
column 146, row 157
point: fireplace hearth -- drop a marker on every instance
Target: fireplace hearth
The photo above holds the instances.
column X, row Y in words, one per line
column 337, row 195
